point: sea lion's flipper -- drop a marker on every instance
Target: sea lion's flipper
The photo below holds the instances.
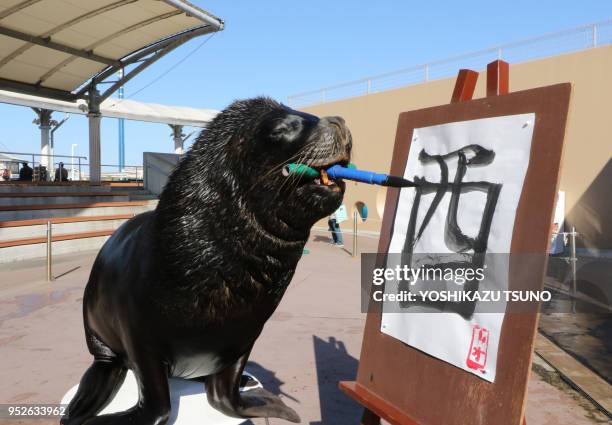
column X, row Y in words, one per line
column 261, row 403
column 98, row 386
column 153, row 405
column 222, row 390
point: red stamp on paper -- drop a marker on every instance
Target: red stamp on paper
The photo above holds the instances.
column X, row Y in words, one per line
column 477, row 356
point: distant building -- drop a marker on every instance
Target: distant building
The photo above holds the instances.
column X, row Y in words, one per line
column 586, row 168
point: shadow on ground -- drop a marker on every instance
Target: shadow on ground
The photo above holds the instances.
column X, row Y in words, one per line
column 334, row 364
column 267, row 378
column 327, row 239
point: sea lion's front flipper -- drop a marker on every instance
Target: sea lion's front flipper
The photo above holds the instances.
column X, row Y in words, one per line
column 223, row 392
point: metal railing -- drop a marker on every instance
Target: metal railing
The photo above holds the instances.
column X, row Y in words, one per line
column 49, row 251
column 564, row 268
column 77, row 168
column 110, row 172
column 572, row 259
column 355, row 233
column 35, row 159
column 566, row 41
column 126, row 172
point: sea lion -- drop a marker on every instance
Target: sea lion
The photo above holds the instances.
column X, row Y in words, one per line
column 185, row 290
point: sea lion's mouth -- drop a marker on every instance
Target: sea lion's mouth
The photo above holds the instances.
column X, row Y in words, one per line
column 324, row 181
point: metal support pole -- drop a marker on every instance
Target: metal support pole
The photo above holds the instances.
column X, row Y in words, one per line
column 44, row 124
column 79, row 168
column 55, row 126
column 44, row 117
column 573, row 259
column 595, row 35
column 177, row 135
column 95, row 168
column 49, row 251
column 354, row 253
column 121, row 129
column 72, row 173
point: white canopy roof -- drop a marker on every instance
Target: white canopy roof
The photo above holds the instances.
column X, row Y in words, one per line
column 154, row 112
column 54, row 47
column 119, row 108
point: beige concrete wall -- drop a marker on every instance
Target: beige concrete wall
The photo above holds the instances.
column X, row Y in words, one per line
column 586, row 174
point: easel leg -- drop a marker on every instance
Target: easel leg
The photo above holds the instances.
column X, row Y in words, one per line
column 369, row 418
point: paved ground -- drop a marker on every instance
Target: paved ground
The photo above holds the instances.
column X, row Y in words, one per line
column 311, row 342
column 586, row 334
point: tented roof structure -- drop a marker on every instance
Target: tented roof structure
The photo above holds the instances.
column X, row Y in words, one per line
column 60, row 48
column 66, row 50
column 154, row 112
column 119, row 108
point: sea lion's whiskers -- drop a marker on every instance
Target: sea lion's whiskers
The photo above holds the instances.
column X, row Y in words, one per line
column 295, row 178
column 276, row 168
column 280, row 165
column 294, row 185
column 308, row 151
column 297, row 156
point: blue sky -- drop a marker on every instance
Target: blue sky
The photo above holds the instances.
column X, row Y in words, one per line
column 279, row 48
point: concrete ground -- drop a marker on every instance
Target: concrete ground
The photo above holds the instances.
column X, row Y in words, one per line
column 312, row 341
column 586, row 335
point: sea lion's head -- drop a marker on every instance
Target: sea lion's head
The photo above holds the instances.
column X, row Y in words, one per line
column 265, row 136
column 232, row 177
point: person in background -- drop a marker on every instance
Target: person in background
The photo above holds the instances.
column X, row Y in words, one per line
column 334, row 225
column 557, row 264
column 25, row 174
column 558, row 239
column 61, row 174
column 6, row 174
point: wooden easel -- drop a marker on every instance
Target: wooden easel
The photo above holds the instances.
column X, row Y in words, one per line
column 407, row 387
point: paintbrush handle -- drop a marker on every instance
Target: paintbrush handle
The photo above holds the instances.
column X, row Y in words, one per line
column 349, row 173
column 339, row 172
column 369, row 177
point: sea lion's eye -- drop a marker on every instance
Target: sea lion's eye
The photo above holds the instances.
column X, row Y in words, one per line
column 288, row 130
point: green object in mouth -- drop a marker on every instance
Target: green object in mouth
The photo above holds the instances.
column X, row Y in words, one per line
column 301, row 170
column 305, row 170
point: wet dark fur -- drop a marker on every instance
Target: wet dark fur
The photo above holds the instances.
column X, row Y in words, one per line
column 185, row 290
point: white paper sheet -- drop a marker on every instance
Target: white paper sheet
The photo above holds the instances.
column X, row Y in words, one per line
column 448, row 336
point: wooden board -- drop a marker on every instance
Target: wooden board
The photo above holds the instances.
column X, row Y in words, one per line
column 422, row 389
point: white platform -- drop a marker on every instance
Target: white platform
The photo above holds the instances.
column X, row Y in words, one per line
column 188, row 399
